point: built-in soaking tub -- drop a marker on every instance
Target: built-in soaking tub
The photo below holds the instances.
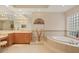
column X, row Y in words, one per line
column 63, row 44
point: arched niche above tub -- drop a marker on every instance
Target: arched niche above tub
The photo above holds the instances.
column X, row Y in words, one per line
column 39, row 27
column 39, row 21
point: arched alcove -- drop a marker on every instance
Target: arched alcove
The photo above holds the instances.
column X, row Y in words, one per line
column 39, row 21
column 39, row 27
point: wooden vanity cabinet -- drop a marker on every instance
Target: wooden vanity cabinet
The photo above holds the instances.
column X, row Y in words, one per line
column 10, row 39
column 23, row 37
column 19, row 38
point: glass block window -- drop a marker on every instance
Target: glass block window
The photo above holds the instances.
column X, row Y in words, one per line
column 73, row 25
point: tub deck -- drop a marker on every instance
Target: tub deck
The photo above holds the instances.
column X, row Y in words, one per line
column 59, row 47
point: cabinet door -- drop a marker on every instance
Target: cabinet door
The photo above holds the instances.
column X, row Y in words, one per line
column 28, row 37
column 22, row 38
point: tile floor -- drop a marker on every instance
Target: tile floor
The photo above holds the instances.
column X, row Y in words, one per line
column 26, row 48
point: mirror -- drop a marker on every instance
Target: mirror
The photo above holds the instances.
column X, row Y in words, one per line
column 23, row 26
column 15, row 24
column 6, row 25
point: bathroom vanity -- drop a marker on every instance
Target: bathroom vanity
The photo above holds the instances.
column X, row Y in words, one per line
column 16, row 37
column 19, row 38
column 18, row 30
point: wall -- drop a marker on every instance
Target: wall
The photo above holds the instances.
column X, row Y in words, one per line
column 7, row 25
column 19, row 22
column 36, row 15
column 72, row 11
column 1, row 25
column 56, row 22
column 53, row 21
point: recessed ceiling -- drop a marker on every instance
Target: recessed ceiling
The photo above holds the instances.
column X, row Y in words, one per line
column 27, row 10
column 43, row 8
column 61, row 8
column 30, row 6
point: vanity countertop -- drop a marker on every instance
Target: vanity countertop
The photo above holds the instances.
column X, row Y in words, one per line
column 15, row 31
column 28, row 31
column 3, row 36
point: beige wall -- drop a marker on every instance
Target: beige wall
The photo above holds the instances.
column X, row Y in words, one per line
column 19, row 22
column 36, row 15
column 42, row 15
column 53, row 20
column 1, row 25
column 5, row 25
column 56, row 21
column 72, row 11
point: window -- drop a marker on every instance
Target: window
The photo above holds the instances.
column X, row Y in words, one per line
column 73, row 25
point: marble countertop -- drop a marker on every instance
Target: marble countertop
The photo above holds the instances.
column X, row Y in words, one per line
column 15, row 31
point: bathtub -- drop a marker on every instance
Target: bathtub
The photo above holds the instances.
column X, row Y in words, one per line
column 64, row 40
column 62, row 43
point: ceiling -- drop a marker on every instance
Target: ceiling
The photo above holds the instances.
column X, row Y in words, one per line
column 61, row 8
column 30, row 6
column 26, row 10
column 43, row 8
column 36, row 8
